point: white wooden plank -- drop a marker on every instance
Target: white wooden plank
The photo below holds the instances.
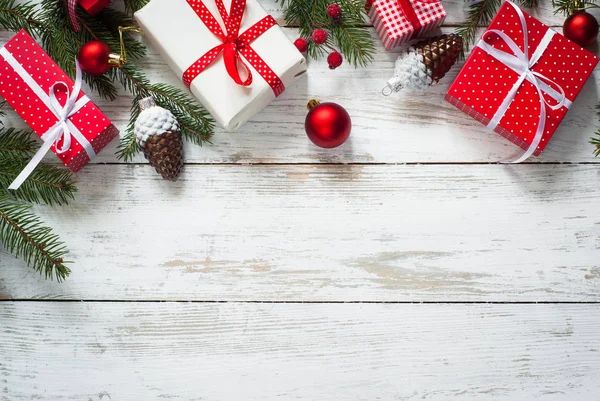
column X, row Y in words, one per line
column 343, row 352
column 398, row 129
column 319, row 233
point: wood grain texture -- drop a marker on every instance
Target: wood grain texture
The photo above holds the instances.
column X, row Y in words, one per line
column 267, row 352
column 320, row 233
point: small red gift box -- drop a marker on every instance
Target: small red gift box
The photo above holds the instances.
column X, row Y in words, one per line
column 521, row 79
column 93, row 6
column 51, row 103
column 398, row 21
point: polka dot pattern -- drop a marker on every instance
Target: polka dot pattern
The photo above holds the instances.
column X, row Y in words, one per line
column 240, row 42
column 92, row 123
column 484, row 82
column 393, row 19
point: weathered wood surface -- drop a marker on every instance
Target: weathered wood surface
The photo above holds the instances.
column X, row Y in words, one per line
column 407, row 211
column 267, row 352
column 322, row 233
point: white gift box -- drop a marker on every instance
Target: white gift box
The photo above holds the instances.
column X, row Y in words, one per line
column 180, row 36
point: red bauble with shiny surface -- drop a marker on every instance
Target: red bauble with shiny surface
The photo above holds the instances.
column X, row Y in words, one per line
column 93, row 57
column 327, row 125
column 581, row 28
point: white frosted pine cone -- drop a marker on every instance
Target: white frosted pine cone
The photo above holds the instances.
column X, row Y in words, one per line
column 411, row 72
column 153, row 120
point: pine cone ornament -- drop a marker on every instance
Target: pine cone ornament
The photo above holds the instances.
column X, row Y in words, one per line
column 425, row 63
column 157, row 133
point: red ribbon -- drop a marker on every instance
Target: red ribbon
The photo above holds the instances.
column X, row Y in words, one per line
column 234, row 44
column 410, row 14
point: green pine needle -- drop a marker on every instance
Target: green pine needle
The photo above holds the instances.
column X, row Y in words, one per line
column 17, row 143
column 350, row 34
column 568, row 7
column 47, row 184
column 132, row 6
column 17, row 15
column 480, row 14
column 195, row 123
column 26, row 237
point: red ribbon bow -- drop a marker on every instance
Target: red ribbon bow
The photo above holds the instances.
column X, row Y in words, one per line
column 234, row 44
column 410, row 14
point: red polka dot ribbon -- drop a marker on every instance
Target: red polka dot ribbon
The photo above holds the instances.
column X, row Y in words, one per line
column 409, row 12
column 234, row 45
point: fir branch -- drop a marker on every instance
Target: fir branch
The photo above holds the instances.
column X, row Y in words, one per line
column 195, row 123
column 47, row 184
column 132, row 6
column 16, row 143
column 349, row 35
column 15, row 16
column 480, row 13
column 569, row 7
column 25, row 236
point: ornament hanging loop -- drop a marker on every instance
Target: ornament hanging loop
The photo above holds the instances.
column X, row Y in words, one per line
column 119, row 60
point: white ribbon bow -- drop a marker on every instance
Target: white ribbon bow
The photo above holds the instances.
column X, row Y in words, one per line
column 520, row 62
column 64, row 129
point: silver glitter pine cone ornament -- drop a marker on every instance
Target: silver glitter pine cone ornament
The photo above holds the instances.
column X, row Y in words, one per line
column 157, row 133
column 425, row 63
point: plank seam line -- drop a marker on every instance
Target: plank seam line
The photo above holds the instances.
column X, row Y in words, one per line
column 303, row 302
column 589, row 163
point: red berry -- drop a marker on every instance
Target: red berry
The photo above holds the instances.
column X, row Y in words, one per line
column 335, row 60
column 368, row 5
column 334, row 11
column 301, row 44
column 319, row 36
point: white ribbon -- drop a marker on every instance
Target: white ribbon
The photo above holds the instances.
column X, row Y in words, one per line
column 64, row 129
column 520, row 62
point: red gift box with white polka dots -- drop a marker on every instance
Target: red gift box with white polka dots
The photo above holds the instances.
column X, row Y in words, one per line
column 390, row 19
column 484, row 82
column 89, row 120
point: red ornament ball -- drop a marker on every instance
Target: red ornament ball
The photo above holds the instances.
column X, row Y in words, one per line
column 93, row 57
column 319, row 36
column 335, row 60
column 301, row 44
column 581, row 28
column 334, row 11
column 327, row 125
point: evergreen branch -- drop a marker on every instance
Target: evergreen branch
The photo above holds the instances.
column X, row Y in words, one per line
column 349, row 35
column 16, row 143
column 24, row 235
column 16, row 16
column 196, row 125
column 569, row 7
column 595, row 140
column 132, row 6
column 47, row 184
column 479, row 14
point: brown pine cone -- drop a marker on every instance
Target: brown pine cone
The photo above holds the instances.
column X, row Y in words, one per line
column 165, row 154
column 440, row 53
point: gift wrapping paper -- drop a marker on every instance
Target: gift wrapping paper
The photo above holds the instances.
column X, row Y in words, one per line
column 393, row 24
column 182, row 38
column 484, row 82
column 35, row 63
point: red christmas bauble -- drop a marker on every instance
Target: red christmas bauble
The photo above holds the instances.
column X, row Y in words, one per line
column 334, row 11
column 93, row 57
column 301, row 44
column 327, row 125
column 334, row 60
column 319, row 36
column 581, row 28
